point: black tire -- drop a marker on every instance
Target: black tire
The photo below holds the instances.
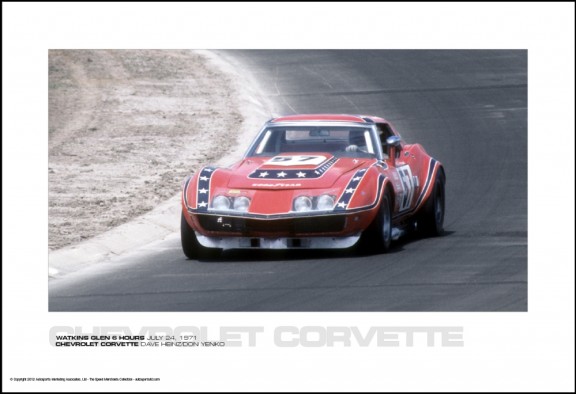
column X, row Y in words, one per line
column 431, row 220
column 377, row 238
column 190, row 245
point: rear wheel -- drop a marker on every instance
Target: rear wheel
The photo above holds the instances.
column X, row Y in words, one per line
column 378, row 237
column 431, row 221
column 192, row 249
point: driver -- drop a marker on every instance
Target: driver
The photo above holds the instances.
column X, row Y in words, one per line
column 357, row 142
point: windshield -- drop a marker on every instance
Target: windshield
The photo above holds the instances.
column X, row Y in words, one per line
column 341, row 141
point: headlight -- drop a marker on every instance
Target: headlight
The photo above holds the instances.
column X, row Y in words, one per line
column 325, row 202
column 302, row 204
column 241, row 203
column 221, row 203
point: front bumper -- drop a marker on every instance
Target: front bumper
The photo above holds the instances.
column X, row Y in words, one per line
column 312, row 230
column 277, row 243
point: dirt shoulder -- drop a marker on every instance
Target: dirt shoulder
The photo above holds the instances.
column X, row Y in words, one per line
column 125, row 128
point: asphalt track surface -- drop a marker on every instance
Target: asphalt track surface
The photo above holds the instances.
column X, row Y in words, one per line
column 467, row 108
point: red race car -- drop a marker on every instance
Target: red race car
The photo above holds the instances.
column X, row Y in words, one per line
column 315, row 181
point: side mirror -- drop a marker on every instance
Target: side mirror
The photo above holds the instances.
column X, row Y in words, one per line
column 393, row 141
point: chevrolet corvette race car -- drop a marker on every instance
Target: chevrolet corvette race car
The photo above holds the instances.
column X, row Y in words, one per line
column 315, row 181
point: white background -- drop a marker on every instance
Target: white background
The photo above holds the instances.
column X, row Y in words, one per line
column 531, row 351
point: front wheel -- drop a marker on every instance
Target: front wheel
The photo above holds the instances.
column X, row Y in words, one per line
column 192, row 249
column 378, row 237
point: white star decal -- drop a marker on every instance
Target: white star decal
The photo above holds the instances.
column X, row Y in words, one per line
column 203, row 178
column 202, row 204
column 207, row 169
column 281, row 174
column 351, row 190
column 342, row 205
column 263, row 174
column 301, row 174
column 202, row 191
column 356, row 178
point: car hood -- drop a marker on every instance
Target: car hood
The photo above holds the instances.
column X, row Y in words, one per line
column 289, row 171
